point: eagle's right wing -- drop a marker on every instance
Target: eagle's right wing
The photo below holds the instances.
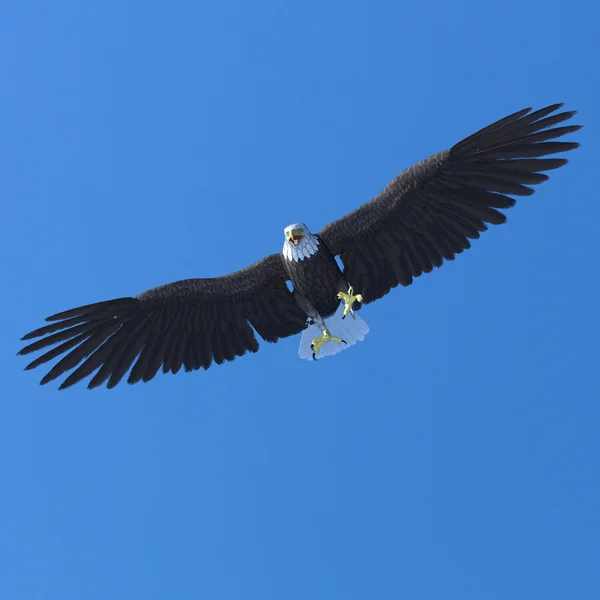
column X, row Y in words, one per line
column 189, row 323
column 430, row 211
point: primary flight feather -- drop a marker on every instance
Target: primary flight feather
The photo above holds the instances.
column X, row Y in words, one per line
column 424, row 216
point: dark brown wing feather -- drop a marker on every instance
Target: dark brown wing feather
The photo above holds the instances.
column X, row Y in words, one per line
column 430, row 211
column 189, row 324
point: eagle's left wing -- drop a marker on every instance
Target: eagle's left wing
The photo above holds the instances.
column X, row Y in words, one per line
column 190, row 323
column 430, row 211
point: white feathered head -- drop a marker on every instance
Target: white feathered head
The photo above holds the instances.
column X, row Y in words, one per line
column 299, row 243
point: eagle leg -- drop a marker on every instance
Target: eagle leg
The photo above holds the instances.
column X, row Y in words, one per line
column 349, row 299
column 314, row 318
column 317, row 343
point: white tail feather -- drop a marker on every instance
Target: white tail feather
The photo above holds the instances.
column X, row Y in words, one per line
column 350, row 329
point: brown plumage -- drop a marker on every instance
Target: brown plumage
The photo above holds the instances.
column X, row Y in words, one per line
column 430, row 211
column 424, row 216
column 188, row 323
column 317, row 279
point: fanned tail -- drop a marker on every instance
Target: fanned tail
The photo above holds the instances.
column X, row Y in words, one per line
column 352, row 330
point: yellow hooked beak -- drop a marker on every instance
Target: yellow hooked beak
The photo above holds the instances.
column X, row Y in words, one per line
column 294, row 236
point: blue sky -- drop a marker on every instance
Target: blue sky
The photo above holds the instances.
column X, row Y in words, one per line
column 453, row 454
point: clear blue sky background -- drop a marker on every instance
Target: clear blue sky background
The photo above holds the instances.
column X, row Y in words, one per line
column 452, row 455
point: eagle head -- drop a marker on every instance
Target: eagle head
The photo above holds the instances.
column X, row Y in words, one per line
column 299, row 243
column 294, row 233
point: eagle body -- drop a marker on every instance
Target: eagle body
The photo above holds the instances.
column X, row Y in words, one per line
column 319, row 284
column 427, row 215
column 313, row 273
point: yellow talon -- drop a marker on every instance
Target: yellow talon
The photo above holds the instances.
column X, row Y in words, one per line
column 317, row 343
column 349, row 300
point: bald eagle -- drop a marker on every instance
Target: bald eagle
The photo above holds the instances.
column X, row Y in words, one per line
column 426, row 215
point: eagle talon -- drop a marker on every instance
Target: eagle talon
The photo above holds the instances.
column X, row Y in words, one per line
column 318, row 342
column 349, row 299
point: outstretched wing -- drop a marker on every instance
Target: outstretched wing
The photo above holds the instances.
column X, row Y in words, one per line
column 430, row 211
column 189, row 323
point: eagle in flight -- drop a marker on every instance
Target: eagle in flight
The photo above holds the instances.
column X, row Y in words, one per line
column 426, row 215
